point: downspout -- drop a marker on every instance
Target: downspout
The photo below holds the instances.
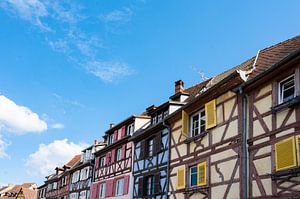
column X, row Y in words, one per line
column 169, row 155
column 245, row 174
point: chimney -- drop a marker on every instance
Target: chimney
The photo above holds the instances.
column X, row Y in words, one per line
column 96, row 142
column 179, row 86
column 111, row 125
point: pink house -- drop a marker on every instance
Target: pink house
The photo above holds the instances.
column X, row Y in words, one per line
column 113, row 164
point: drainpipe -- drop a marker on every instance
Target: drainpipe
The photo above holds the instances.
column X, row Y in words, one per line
column 245, row 174
column 169, row 155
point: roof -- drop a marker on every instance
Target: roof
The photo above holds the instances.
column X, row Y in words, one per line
column 74, row 161
column 11, row 192
column 28, row 193
column 274, row 54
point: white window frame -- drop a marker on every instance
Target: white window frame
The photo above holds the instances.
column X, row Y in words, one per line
column 281, row 91
column 119, row 154
column 110, row 139
column 119, row 187
column 200, row 119
column 102, row 161
column 82, row 195
column 190, row 176
column 130, row 129
column 150, row 185
column 150, row 145
column 75, row 176
column 102, row 190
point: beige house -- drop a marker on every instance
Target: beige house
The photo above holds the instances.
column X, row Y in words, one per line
column 252, row 107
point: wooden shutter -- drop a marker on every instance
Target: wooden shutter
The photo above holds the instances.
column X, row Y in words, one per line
column 185, row 124
column 298, row 149
column 202, row 174
column 141, row 186
column 97, row 163
column 285, row 154
column 142, row 149
column 109, row 188
column 123, row 131
column 123, row 151
column 126, row 184
column 93, row 190
column 114, row 187
column 181, row 178
column 157, row 183
column 97, row 190
column 210, row 114
column 158, row 143
column 107, row 159
column 116, row 135
column 113, row 156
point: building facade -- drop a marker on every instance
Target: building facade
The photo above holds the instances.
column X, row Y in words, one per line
column 81, row 174
column 113, row 166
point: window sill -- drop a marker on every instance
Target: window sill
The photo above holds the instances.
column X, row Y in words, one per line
column 286, row 174
column 287, row 104
column 195, row 138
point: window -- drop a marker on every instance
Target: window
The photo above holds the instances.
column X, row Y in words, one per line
column 286, row 89
column 82, row 195
column 154, row 120
column 102, row 190
column 75, row 176
column 120, row 187
column 74, row 196
column 102, row 161
column 166, row 113
column 193, row 176
column 197, row 124
column 84, row 174
column 130, row 129
column 149, row 185
column 160, row 117
column 119, row 154
column 197, row 175
column 150, row 147
column 110, row 139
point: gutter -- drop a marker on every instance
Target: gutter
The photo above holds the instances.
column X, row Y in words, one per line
column 169, row 155
column 245, row 172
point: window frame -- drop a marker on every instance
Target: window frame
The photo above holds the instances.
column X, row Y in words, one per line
column 130, row 129
column 148, row 147
column 119, row 154
column 102, row 162
column 149, row 190
column 121, row 186
column 102, row 190
column 280, row 91
column 190, row 175
column 200, row 124
column 110, row 139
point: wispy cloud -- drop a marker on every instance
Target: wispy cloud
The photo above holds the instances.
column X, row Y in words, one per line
column 108, row 71
column 57, row 126
column 62, row 24
column 122, row 15
column 3, row 146
column 67, row 101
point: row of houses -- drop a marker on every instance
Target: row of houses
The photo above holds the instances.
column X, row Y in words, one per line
column 235, row 135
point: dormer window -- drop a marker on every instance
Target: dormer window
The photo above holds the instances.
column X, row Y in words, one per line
column 154, row 120
column 102, row 162
column 110, row 139
column 166, row 113
column 160, row 117
column 130, row 129
column 197, row 124
column 286, row 89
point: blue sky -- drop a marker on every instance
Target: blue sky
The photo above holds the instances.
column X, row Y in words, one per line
column 69, row 68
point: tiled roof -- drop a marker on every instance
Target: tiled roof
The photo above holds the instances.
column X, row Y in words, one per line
column 29, row 193
column 74, row 161
column 274, row 54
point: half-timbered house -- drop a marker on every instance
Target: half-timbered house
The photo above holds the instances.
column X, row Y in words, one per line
column 82, row 173
column 272, row 93
column 113, row 165
column 58, row 183
column 209, row 152
column 151, row 149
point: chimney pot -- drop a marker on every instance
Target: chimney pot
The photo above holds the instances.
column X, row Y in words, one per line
column 111, row 125
column 179, row 86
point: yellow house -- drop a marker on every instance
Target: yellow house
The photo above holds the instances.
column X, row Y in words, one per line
column 237, row 137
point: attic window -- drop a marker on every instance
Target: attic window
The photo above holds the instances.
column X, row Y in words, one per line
column 286, row 89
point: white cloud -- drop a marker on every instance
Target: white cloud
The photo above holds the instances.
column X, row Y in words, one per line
column 47, row 157
column 122, row 15
column 19, row 119
column 108, row 71
column 57, row 126
column 3, row 146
